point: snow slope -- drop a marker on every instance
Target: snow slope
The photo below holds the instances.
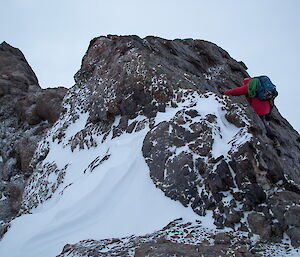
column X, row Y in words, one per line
column 106, row 190
column 116, row 200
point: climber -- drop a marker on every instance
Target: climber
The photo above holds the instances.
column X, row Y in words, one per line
column 262, row 105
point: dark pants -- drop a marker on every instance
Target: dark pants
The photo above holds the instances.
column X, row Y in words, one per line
column 270, row 132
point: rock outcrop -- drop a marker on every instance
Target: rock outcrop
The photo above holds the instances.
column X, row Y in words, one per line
column 211, row 153
column 26, row 112
column 129, row 76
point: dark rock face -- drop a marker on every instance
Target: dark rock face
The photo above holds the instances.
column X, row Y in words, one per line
column 26, row 113
column 285, row 207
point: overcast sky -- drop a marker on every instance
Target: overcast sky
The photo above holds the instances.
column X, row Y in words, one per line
column 264, row 34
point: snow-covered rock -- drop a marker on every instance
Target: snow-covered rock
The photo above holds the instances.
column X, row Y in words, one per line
column 145, row 137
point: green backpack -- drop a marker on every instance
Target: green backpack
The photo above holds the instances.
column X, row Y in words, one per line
column 262, row 88
column 254, row 84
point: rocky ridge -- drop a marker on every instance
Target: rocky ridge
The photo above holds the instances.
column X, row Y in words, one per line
column 129, row 76
column 26, row 112
column 123, row 86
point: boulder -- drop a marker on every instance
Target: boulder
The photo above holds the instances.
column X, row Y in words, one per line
column 254, row 195
column 260, row 225
column 222, row 238
column 292, row 216
column 49, row 104
column 294, row 234
column 280, row 202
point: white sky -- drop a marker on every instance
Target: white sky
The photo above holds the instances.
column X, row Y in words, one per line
column 54, row 35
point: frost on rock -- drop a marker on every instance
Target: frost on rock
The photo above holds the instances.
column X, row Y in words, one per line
column 190, row 146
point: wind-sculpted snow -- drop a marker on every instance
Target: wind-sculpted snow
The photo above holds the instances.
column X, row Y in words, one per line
column 203, row 122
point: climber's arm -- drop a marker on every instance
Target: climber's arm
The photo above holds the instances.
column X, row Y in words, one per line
column 243, row 90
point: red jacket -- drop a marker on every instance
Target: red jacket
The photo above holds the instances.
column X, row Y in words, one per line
column 259, row 106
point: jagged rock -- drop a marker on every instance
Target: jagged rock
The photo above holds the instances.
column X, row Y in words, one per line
column 11, row 197
column 26, row 149
column 9, row 169
column 175, row 239
column 233, row 117
column 41, row 105
column 277, row 231
column 244, row 166
column 126, row 84
column 15, row 197
column 174, row 172
column 180, row 167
